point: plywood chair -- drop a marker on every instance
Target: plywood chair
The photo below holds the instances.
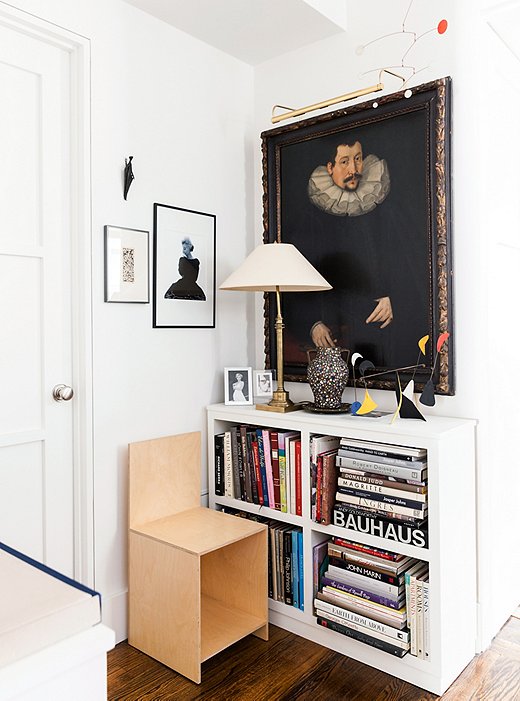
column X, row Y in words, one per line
column 197, row 577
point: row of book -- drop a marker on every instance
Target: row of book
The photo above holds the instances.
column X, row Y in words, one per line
column 285, row 559
column 373, row 595
column 260, row 466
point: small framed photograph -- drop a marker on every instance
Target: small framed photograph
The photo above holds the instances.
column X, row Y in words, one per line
column 126, row 265
column 183, row 268
column 263, row 383
column 238, row 386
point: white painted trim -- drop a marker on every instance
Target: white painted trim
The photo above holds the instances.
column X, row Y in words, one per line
column 81, row 273
column 115, row 614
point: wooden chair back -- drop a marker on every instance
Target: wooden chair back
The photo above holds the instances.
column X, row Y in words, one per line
column 164, row 477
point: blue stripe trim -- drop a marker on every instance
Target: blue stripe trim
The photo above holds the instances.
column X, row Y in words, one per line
column 50, row 571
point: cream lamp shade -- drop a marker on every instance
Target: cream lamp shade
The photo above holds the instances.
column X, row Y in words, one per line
column 276, row 267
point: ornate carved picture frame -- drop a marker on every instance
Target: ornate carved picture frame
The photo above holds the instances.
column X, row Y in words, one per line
column 364, row 194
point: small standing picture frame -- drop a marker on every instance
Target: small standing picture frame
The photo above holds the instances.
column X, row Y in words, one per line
column 238, row 386
column 263, row 383
column 126, row 265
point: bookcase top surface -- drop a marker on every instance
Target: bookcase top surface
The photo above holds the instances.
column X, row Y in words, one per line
column 344, row 424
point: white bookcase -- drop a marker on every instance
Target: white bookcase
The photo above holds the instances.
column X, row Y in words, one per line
column 451, row 551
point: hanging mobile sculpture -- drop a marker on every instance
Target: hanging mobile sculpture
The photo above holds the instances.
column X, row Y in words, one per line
column 441, row 28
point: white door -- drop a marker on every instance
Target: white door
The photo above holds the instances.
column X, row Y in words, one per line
column 36, row 432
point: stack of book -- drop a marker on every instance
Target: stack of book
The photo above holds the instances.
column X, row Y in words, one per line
column 260, row 466
column 362, row 594
column 382, row 490
column 285, row 559
column 417, row 584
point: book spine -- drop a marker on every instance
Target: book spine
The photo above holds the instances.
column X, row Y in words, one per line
column 266, row 440
column 219, row 465
column 295, row 570
column 245, row 465
column 384, row 480
column 398, row 489
column 229, row 490
column 237, row 489
column 370, row 511
column 273, row 437
column 387, row 460
column 362, row 548
column 300, row 569
column 413, row 619
column 263, row 475
column 426, row 616
column 338, row 561
column 287, row 567
column 251, row 464
column 329, row 486
column 258, row 475
column 392, row 603
column 419, row 616
column 283, row 475
column 400, row 532
column 319, row 486
column 298, row 474
column 382, row 469
column 367, row 631
column 361, row 637
column 370, row 503
column 291, row 482
column 379, row 496
column 352, row 617
column 383, row 449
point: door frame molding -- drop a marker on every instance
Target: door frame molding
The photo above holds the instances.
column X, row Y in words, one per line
column 78, row 47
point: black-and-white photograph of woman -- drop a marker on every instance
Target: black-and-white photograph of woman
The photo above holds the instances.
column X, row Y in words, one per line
column 238, row 385
column 186, row 287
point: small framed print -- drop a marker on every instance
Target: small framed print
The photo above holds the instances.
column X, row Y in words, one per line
column 238, row 386
column 126, row 265
column 263, row 383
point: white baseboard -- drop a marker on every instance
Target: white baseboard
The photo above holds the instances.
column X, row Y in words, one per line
column 115, row 614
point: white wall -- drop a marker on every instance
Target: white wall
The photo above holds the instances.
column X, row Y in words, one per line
column 183, row 110
column 485, row 249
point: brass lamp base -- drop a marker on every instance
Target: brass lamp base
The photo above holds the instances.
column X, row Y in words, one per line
column 280, row 403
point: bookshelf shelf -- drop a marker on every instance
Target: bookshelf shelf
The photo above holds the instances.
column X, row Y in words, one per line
column 450, row 446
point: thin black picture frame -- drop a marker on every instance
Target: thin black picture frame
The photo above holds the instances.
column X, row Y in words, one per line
column 184, row 294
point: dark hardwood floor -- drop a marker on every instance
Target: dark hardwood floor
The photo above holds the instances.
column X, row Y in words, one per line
column 289, row 668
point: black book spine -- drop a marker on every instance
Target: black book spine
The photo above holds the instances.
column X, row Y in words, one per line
column 362, row 637
column 287, row 567
column 219, row 465
column 245, row 465
column 250, row 435
column 390, row 529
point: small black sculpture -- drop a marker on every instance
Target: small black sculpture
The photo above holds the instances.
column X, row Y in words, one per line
column 129, row 175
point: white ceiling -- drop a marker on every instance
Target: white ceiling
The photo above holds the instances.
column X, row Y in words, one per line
column 252, row 30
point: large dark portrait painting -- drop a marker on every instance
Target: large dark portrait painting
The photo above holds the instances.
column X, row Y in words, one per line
column 363, row 193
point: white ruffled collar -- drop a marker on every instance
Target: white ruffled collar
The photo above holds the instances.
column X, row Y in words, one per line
column 373, row 188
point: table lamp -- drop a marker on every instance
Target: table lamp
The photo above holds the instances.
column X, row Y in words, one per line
column 276, row 267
